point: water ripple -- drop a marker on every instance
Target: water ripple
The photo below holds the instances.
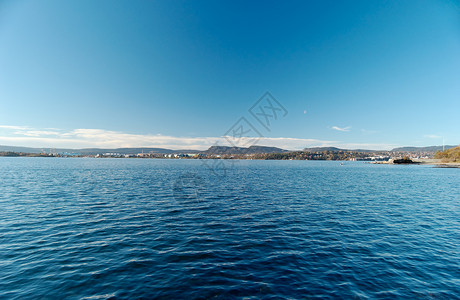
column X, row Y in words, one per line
column 127, row 228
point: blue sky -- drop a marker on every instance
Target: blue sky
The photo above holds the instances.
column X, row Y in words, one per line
column 179, row 74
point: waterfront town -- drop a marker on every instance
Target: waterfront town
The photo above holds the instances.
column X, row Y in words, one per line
column 254, row 152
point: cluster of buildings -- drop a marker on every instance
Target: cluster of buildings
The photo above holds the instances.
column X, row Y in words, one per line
column 147, row 155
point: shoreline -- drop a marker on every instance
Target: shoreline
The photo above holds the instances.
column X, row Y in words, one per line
column 437, row 163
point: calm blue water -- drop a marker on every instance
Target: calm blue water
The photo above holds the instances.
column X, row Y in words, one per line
column 171, row 229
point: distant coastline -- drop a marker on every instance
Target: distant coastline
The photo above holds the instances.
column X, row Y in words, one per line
column 418, row 155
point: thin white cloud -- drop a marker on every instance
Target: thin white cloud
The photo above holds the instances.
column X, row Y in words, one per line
column 99, row 138
column 341, row 128
column 36, row 132
column 13, row 127
column 432, row 136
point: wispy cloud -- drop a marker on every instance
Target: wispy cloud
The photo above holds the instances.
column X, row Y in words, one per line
column 432, row 136
column 341, row 128
column 13, row 127
column 85, row 138
column 37, row 133
column 100, row 138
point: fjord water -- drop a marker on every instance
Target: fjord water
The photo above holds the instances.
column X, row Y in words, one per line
column 173, row 229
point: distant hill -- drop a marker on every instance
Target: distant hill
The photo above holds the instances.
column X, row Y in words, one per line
column 20, row 149
column 450, row 155
column 334, row 149
column 93, row 151
column 321, row 149
column 399, row 149
column 220, row 150
column 422, row 149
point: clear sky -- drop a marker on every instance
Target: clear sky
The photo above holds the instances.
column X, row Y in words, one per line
column 179, row 74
